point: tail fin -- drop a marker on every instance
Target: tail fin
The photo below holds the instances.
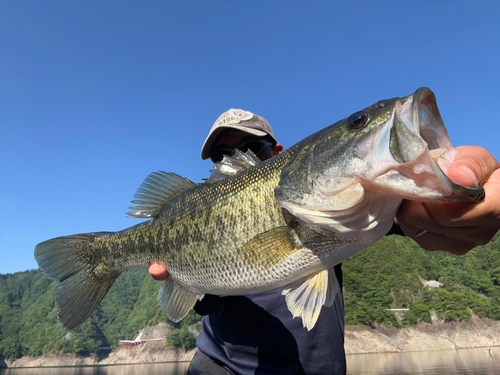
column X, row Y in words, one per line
column 68, row 260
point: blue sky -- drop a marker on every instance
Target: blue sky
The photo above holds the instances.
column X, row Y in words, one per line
column 95, row 95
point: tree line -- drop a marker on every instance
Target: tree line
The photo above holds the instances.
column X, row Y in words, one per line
column 385, row 276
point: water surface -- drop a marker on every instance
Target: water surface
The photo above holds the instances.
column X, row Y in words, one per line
column 175, row 368
column 451, row 362
column 459, row 361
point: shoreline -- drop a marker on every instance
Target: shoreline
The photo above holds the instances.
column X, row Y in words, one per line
column 475, row 333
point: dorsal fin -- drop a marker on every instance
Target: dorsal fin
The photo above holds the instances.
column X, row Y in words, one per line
column 156, row 190
column 232, row 165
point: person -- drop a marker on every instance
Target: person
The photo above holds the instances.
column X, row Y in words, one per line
column 257, row 334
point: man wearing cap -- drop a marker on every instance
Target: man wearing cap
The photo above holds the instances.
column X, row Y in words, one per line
column 256, row 334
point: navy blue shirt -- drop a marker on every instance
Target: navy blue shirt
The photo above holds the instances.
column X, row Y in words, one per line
column 257, row 335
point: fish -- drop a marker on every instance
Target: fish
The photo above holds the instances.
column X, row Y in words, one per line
column 257, row 226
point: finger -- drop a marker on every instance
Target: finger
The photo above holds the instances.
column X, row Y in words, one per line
column 414, row 217
column 472, row 166
column 485, row 213
column 434, row 242
column 158, row 272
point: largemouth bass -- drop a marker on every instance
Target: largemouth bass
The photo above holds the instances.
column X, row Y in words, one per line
column 253, row 227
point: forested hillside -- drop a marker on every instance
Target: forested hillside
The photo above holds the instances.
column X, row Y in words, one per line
column 387, row 275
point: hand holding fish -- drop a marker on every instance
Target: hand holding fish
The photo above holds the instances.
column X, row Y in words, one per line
column 458, row 227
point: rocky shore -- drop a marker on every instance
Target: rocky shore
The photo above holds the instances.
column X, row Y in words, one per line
column 475, row 333
column 50, row 360
column 440, row 335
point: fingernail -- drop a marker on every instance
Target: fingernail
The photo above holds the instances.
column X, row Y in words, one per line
column 469, row 173
column 443, row 163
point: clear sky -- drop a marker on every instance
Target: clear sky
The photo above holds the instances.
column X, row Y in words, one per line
column 95, row 95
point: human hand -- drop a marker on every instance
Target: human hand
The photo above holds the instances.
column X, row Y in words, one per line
column 209, row 303
column 158, row 271
column 458, row 227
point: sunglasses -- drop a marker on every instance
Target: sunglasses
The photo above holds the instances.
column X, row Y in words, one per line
column 256, row 146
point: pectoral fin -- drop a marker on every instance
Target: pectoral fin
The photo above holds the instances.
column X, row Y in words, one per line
column 269, row 248
column 306, row 297
column 175, row 300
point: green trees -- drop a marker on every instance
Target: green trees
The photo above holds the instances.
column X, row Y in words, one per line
column 29, row 326
column 388, row 275
column 181, row 339
column 27, row 314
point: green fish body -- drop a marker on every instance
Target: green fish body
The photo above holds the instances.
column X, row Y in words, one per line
column 253, row 227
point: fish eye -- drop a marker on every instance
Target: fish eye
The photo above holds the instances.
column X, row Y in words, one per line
column 357, row 120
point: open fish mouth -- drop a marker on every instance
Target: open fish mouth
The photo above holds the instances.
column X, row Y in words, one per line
column 420, row 144
column 418, row 126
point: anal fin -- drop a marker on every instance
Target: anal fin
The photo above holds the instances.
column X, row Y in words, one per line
column 306, row 297
column 175, row 300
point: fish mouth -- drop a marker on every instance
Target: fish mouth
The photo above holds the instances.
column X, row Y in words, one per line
column 420, row 144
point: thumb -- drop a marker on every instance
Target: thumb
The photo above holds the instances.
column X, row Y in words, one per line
column 472, row 166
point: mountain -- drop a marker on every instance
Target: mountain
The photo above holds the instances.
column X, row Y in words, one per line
column 394, row 273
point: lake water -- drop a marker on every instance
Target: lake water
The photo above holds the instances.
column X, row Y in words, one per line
column 460, row 361
column 450, row 362
column 178, row 368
